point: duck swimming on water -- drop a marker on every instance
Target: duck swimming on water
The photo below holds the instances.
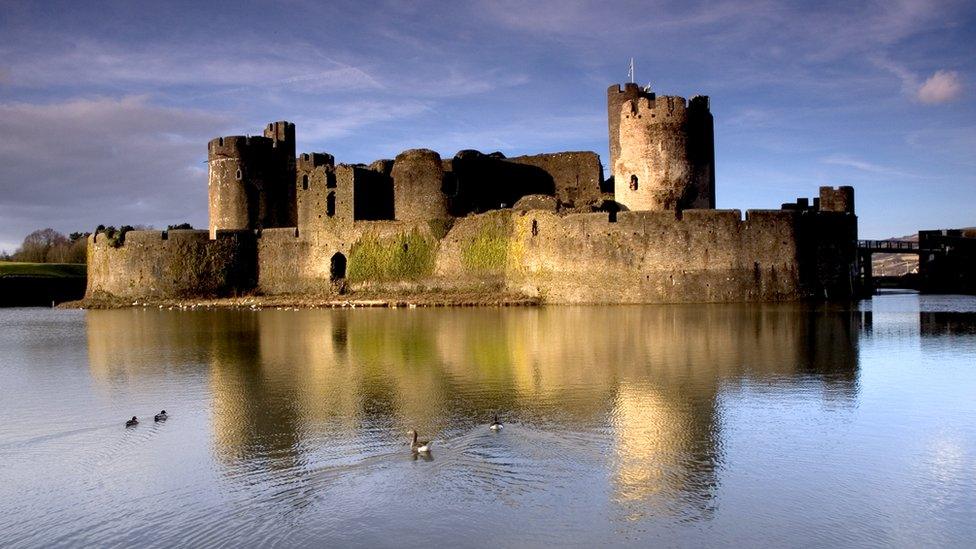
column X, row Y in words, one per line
column 161, row 416
column 495, row 424
column 418, row 446
column 132, row 422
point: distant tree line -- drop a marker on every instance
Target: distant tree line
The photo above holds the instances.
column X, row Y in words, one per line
column 50, row 246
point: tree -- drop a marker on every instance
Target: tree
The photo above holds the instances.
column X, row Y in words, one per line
column 43, row 246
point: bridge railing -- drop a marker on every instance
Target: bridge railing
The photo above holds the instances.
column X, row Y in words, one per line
column 893, row 246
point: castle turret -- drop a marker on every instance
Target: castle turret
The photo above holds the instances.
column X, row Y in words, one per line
column 239, row 169
column 315, row 188
column 418, row 180
column 282, row 210
column 839, row 199
column 616, row 97
column 666, row 158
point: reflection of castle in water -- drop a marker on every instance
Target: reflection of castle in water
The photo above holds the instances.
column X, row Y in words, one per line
column 283, row 383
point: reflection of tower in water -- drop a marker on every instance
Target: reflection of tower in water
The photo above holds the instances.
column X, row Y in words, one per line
column 649, row 379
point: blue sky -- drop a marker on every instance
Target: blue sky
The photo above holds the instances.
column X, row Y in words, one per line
column 106, row 108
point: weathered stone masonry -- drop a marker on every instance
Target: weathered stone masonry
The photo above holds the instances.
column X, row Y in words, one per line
column 546, row 226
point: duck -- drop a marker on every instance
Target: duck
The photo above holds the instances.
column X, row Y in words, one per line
column 495, row 424
column 132, row 422
column 161, row 416
column 418, row 446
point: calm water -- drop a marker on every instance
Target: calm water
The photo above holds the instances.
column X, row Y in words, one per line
column 665, row 425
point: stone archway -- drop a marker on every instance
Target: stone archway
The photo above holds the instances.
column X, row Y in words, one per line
column 337, row 267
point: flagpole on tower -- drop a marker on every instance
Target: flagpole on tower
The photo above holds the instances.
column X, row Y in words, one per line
column 630, row 73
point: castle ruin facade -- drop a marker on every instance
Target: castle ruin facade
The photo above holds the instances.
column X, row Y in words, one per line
column 545, row 226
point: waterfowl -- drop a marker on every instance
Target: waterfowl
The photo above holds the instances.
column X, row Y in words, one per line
column 132, row 422
column 495, row 424
column 161, row 416
column 419, row 446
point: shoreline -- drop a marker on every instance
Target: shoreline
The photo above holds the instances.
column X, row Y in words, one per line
column 304, row 301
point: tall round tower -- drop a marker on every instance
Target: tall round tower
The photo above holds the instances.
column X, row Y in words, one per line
column 238, row 169
column 666, row 158
column 418, row 181
column 616, row 97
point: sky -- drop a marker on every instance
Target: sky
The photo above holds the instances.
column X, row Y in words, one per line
column 107, row 107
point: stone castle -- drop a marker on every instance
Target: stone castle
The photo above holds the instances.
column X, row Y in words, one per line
column 546, row 226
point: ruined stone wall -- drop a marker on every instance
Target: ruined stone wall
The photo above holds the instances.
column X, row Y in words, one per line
column 577, row 176
column 642, row 257
column 323, row 193
column 666, row 156
column 178, row 263
column 377, row 255
column 653, row 257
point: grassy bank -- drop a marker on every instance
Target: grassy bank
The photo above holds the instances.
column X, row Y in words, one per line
column 43, row 270
column 40, row 284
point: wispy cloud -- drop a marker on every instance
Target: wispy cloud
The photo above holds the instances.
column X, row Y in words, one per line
column 97, row 63
column 343, row 119
column 865, row 166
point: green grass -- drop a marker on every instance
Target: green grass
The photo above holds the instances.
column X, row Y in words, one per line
column 43, row 270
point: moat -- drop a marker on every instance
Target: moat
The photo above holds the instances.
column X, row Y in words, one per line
column 665, row 425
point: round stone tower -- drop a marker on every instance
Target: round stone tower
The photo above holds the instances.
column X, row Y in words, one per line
column 418, row 182
column 238, row 169
column 616, row 97
column 666, row 158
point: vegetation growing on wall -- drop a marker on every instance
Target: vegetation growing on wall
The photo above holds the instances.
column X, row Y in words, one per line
column 487, row 250
column 406, row 256
column 440, row 227
column 116, row 237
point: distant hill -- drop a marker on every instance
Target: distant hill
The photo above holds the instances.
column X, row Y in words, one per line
column 900, row 264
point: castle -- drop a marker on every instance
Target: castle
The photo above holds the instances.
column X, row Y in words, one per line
column 546, row 226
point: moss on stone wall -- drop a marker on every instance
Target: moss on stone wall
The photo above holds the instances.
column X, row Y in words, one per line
column 406, row 256
column 487, row 251
column 440, row 227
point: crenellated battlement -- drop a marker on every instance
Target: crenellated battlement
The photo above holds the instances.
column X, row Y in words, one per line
column 837, row 199
column 700, row 103
column 309, row 161
column 663, row 109
column 237, row 146
column 631, row 89
column 282, row 132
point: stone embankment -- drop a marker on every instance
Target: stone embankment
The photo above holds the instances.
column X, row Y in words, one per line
column 303, row 301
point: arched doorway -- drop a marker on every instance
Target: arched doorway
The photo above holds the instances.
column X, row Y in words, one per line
column 337, row 267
